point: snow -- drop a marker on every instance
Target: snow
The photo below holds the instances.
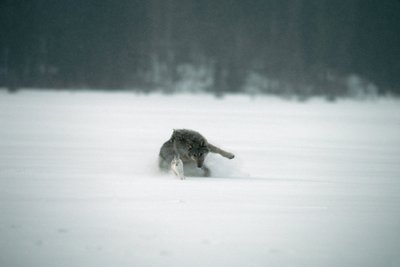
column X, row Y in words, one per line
column 312, row 184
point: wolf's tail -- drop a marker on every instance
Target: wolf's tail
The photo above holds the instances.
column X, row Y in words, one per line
column 218, row 150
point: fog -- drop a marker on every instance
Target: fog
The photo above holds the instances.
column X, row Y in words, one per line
column 280, row 47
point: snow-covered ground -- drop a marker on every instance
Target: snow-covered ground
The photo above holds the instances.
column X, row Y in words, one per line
column 312, row 184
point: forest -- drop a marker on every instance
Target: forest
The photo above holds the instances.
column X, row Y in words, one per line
column 300, row 47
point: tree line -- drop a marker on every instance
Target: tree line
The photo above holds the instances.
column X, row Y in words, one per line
column 290, row 46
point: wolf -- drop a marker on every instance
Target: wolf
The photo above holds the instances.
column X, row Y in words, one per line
column 185, row 148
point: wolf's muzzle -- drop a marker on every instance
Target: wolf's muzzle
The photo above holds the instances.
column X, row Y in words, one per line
column 199, row 162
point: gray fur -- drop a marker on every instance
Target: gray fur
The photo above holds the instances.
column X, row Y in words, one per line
column 190, row 147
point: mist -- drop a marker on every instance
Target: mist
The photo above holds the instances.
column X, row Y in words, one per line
column 285, row 47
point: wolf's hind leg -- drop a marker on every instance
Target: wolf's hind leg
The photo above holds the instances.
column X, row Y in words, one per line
column 218, row 150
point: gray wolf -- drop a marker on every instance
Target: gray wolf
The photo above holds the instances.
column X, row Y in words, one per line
column 185, row 148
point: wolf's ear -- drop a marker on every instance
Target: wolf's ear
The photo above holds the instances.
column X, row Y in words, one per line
column 174, row 135
column 175, row 132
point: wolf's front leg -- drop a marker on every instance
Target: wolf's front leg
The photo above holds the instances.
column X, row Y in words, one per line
column 177, row 167
column 218, row 150
column 207, row 172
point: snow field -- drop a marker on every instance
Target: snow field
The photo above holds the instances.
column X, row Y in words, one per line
column 312, row 184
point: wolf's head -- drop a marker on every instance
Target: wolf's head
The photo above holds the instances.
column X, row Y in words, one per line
column 198, row 152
